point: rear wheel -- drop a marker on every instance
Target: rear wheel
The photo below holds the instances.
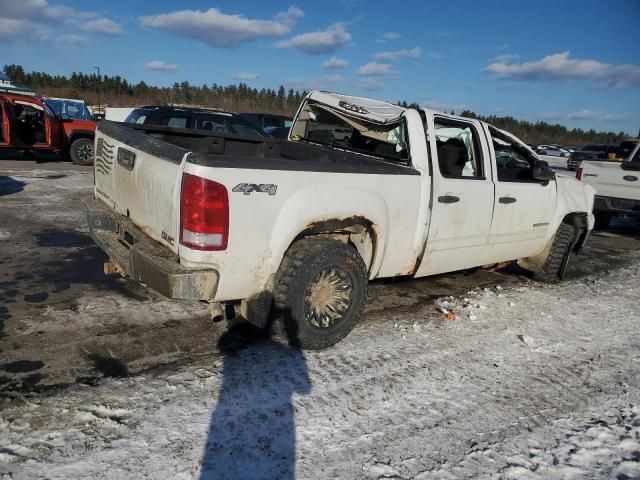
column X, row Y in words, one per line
column 320, row 292
column 81, row 151
column 602, row 219
column 554, row 267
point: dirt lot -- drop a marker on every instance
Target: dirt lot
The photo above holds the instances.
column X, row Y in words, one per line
column 64, row 327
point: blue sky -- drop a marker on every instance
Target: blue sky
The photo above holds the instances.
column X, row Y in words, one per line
column 567, row 61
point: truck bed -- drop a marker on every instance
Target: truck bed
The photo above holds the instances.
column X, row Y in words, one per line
column 238, row 151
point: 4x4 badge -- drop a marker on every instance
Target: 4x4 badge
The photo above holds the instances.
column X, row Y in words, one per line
column 248, row 188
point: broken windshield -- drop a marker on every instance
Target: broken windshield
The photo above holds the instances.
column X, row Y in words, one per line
column 322, row 124
column 75, row 109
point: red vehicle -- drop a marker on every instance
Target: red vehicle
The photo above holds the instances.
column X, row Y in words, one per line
column 28, row 122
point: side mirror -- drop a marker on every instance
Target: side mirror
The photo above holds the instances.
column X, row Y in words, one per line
column 542, row 172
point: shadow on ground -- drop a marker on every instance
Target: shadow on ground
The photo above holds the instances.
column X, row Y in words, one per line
column 10, row 186
column 252, row 431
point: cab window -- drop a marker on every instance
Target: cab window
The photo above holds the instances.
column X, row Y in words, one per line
column 459, row 154
column 513, row 161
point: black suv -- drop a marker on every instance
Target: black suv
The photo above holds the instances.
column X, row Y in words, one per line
column 202, row 119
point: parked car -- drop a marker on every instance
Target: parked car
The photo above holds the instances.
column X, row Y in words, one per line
column 588, row 152
column 27, row 122
column 617, row 186
column 207, row 120
column 296, row 229
column 552, row 151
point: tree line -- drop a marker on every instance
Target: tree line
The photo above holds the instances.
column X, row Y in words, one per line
column 117, row 91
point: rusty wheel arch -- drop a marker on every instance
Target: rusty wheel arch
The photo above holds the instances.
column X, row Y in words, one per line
column 357, row 231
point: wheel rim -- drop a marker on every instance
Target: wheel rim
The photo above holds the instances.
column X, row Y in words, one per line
column 328, row 297
column 85, row 152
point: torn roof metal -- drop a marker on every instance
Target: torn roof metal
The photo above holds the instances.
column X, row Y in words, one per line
column 376, row 110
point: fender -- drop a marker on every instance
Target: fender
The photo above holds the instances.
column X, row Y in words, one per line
column 308, row 210
column 72, row 135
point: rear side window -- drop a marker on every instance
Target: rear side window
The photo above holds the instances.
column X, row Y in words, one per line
column 242, row 128
column 212, row 124
column 175, row 122
column 458, row 149
column 137, row 116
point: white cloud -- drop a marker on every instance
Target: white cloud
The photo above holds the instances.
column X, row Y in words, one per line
column 159, row 66
column 435, row 55
column 320, row 42
column 27, row 20
column 394, row 55
column 505, row 58
column 585, row 114
column 244, row 76
column 12, row 29
column 71, row 40
column 325, row 82
column 388, row 36
column 222, row 30
column 334, row 63
column 370, row 83
column 560, row 66
column 103, row 26
column 376, row 69
column 504, row 46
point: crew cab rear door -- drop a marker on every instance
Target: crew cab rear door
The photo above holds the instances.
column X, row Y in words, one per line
column 524, row 208
column 462, row 201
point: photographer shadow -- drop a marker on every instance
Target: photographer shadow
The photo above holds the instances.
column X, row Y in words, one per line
column 252, row 432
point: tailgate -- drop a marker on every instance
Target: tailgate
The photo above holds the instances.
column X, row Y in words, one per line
column 138, row 176
column 610, row 180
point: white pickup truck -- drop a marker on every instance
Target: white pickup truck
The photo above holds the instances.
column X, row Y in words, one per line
column 296, row 228
column 617, row 186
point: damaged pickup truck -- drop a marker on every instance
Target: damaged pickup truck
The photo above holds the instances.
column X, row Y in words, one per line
column 288, row 233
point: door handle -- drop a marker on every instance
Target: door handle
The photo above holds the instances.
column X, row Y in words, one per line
column 507, row 200
column 448, row 199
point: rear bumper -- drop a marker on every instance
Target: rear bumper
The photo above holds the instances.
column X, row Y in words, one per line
column 617, row 205
column 144, row 259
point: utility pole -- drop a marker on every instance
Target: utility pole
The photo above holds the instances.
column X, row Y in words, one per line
column 99, row 85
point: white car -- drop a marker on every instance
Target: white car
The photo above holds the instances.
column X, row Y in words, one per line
column 552, row 151
column 292, row 231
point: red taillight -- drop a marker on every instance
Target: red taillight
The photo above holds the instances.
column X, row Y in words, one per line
column 204, row 214
column 579, row 173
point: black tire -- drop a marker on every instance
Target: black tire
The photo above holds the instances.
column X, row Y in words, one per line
column 602, row 219
column 81, row 151
column 553, row 269
column 308, row 266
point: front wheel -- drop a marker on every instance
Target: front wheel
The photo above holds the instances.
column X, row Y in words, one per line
column 320, row 292
column 554, row 266
column 81, row 151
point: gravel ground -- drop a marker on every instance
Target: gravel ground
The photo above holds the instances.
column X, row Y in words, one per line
column 528, row 380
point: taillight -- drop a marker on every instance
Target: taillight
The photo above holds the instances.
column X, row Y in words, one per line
column 579, row 173
column 204, row 214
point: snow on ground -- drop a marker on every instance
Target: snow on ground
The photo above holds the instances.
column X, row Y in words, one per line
column 531, row 381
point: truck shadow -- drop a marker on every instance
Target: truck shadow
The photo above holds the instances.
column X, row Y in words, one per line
column 252, row 432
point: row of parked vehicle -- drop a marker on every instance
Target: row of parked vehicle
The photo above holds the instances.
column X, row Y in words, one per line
column 575, row 156
column 67, row 127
